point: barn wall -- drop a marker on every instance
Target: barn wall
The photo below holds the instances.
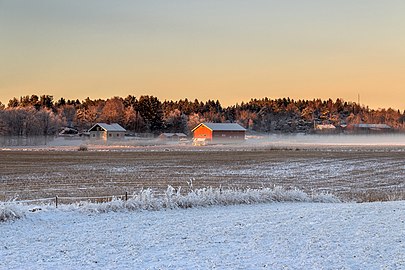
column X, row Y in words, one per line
column 203, row 132
column 228, row 135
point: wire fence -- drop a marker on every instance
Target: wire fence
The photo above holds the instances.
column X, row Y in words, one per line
column 56, row 200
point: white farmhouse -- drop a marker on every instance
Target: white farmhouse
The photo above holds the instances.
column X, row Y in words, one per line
column 107, row 132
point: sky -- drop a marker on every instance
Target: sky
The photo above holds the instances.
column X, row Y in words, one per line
column 231, row 50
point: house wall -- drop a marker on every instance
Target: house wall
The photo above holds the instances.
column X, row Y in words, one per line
column 114, row 135
column 203, row 132
column 97, row 135
column 105, row 135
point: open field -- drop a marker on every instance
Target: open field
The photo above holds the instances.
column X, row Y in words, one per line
column 362, row 174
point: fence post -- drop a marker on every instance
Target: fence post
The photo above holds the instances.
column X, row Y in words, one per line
column 56, row 201
column 126, row 195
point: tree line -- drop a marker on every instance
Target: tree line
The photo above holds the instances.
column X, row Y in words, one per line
column 42, row 115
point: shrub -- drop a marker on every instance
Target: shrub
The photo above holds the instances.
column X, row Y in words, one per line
column 10, row 212
column 83, row 148
column 172, row 198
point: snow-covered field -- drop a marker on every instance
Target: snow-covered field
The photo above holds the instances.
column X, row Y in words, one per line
column 277, row 234
column 272, row 236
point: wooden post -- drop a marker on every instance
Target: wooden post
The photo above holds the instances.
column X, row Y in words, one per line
column 126, row 195
column 56, row 201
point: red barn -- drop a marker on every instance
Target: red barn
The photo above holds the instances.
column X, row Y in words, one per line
column 218, row 133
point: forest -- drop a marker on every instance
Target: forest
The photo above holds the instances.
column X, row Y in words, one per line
column 42, row 115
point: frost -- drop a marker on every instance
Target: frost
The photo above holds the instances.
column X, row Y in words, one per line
column 10, row 211
column 147, row 199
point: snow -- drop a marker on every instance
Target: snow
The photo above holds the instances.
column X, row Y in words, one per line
column 10, row 212
column 271, row 235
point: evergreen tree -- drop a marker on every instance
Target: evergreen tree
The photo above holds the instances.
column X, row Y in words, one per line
column 151, row 111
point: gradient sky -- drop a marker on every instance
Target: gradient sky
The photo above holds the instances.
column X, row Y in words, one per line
column 231, row 50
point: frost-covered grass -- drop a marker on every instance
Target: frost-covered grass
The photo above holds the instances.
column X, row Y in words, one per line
column 147, row 199
column 10, row 211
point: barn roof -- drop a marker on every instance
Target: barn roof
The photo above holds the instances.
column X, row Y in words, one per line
column 222, row 126
column 108, row 127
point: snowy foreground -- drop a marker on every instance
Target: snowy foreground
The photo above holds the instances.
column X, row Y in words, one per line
column 278, row 235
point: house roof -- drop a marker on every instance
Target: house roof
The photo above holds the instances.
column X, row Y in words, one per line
column 222, row 127
column 325, row 126
column 173, row 134
column 378, row 126
column 108, row 127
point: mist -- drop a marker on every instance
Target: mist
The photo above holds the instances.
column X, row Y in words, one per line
column 327, row 140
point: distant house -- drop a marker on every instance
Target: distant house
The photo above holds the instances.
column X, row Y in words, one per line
column 372, row 126
column 368, row 128
column 173, row 137
column 68, row 132
column 218, row 133
column 326, row 129
column 107, row 132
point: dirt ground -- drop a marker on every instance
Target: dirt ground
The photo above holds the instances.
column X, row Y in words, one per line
column 362, row 175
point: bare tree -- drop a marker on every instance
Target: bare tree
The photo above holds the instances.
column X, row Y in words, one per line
column 133, row 120
column 176, row 121
column 67, row 114
column 87, row 117
column 113, row 111
column 49, row 123
column 3, row 127
column 193, row 120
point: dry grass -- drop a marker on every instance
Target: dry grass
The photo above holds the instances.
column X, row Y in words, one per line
column 375, row 196
column 352, row 175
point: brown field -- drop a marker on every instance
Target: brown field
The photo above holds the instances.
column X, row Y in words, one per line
column 355, row 175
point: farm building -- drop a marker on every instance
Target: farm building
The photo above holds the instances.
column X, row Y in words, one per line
column 326, row 129
column 107, row 132
column 218, row 133
column 172, row 137
column 68, row 132
column 368, row 128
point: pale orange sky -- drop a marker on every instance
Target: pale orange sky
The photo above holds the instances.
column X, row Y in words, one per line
column 230, row 50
